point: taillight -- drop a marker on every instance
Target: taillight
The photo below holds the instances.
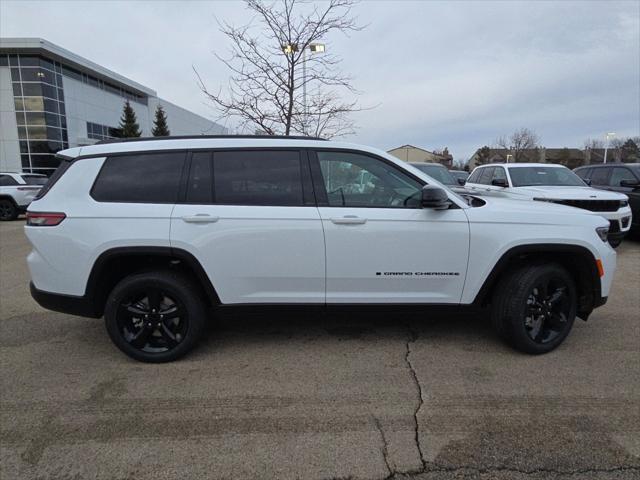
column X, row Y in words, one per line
column 42, row 219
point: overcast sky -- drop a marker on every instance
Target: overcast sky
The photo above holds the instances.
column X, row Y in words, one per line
column 456, row 74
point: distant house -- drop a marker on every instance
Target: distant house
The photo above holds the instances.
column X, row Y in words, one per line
column 410, row 154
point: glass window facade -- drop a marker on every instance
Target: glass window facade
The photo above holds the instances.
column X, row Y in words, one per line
column 102, row 132
column 40, row 113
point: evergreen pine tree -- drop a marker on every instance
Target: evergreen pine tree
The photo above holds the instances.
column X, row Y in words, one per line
column 129, row 123
column 160, row 127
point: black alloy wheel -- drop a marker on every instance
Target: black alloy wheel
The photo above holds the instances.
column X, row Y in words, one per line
column 548, row 309
column 156, row 316
column 8, row 210
column 152, row 321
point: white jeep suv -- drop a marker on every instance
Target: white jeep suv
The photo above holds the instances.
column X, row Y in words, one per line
column 552, row 183
column 17, row 190
column 156, row 235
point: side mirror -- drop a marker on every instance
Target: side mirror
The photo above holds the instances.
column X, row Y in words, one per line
column 630, row 183
column 462, row 181
column 587, row 181
column 499, row 182
column 434, row 197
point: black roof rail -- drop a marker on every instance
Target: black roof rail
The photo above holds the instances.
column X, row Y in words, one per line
column 191, row 137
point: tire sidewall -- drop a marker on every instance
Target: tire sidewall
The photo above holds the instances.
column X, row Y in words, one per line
column 175, row 285
column 512, row 314
column 14, row 210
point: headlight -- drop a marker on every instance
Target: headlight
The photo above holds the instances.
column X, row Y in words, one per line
column 624, row 203
column 603, row 232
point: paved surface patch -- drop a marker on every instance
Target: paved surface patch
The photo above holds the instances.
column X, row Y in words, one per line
column 318, row 397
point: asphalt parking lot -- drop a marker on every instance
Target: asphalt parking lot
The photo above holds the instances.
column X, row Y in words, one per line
column 317, row 398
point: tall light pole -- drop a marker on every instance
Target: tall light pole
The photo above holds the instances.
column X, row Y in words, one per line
column 290, row 49
column 606, row 144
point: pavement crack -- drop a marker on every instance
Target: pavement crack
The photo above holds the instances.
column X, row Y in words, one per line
column 385, row 447
column 413, row 336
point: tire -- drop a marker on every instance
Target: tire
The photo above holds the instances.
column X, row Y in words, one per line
column 8, row 210
column 155, row 316
column 534, row 307
column 615, row 243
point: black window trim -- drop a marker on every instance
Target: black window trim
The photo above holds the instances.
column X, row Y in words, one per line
column 321, row 191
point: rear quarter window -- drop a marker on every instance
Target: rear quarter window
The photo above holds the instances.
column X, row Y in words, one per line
column 140, row 178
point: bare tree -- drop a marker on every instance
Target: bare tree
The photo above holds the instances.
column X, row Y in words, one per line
column 593, row 143
column 520, row 143
column 272, row 68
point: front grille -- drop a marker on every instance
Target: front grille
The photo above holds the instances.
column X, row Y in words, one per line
column 592, row 205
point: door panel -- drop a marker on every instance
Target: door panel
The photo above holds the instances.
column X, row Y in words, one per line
column 395, row 255
column 380, row 246
column 269, row 252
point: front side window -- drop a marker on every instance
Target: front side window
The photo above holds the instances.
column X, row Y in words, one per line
column 487, row 175
column 35, row 179
column 583, row 173
column 475, row 175
column 140, row 178
column 544, row 176
column 600, row 176
column 355, row 180
column 264, row 177
column 619, row 174
column 499, row 174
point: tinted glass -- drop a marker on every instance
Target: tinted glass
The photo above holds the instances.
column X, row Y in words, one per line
column 487, row 175
column 199, row 186
column 257, row 178
column 583, row 173
column 550, row 176
column 499, row 174
column 144, row 178
column 6, row 180
column 354, row 180
column 475, row 175
column 34, row 179
column 437, row 172
column 600, row 176
column 619, row 174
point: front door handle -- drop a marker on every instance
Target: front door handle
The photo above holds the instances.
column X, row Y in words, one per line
column 349, row 220
column 200, row 218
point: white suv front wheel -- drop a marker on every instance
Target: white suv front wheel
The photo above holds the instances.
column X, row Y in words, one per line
column 155, row 316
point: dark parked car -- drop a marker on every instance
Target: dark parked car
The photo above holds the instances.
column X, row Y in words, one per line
column 617, row 177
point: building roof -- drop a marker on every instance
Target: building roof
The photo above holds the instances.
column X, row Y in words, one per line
column 39, row 46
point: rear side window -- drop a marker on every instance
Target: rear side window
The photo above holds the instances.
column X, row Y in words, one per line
column 7, row 181
column 140, row 178
column 257, row 178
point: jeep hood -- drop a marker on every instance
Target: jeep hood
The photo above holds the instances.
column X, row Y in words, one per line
column 568, row 193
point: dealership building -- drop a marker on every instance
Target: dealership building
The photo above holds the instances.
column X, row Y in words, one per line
column 52, row 99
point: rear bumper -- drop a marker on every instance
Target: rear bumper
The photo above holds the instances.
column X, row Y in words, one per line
column 57, row 302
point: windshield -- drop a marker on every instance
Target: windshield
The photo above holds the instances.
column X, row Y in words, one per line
column 547, row 176
column 34, row 179
column 437, row 172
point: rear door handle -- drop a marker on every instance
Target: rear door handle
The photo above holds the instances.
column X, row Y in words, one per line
column 200, row 218
column 349, row 220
